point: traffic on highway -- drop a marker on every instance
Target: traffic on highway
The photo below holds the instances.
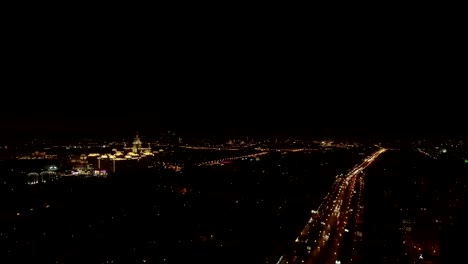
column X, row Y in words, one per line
column 333, row 232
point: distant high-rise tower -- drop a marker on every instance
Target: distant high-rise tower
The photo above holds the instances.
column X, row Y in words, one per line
column 137, row 147
column 136, row 144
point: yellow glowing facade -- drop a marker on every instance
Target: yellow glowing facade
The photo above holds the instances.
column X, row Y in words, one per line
column 136, row 152
column 128, row 153
column 137, row 149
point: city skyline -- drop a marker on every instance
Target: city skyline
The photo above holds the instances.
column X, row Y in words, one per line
column 225, row 133
column 269, row 201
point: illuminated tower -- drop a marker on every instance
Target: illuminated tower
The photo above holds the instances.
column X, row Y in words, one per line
column 136, row 144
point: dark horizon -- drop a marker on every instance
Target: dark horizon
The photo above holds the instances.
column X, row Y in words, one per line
column 71, row 133
column 396, row 72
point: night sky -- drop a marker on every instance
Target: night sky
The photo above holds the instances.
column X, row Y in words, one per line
column 358, row 70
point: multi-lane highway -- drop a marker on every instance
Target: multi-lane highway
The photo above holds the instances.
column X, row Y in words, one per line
column 332, row 234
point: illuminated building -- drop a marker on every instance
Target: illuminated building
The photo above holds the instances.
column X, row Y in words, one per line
column 137, row 148
column 118, row 159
